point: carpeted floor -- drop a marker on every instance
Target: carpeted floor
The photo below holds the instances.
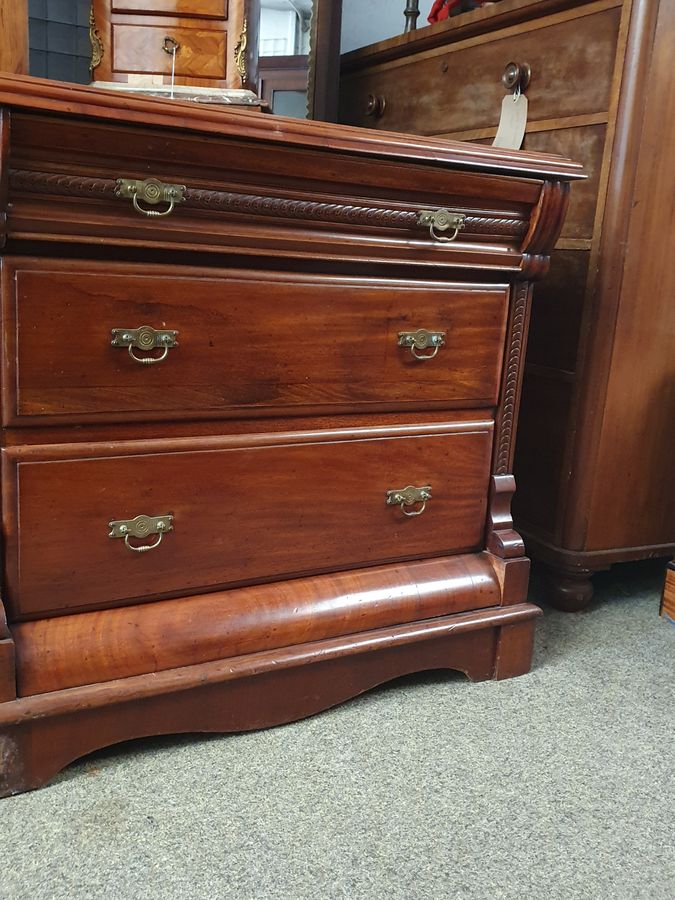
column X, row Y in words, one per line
column 557, row 785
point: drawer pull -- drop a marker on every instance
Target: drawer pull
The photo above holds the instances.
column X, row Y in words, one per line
column 410, row 496
column 145, row 338
column 375, row 106
column 150, row 191
column 170, row 46
column 441, row 220
column 422, row 340
column 141, row 527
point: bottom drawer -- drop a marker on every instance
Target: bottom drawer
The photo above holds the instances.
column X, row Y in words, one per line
column 243, row 509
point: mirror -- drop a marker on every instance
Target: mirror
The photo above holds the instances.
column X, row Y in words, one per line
column 298, row 45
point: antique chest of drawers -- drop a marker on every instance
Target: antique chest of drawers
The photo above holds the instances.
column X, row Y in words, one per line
column 260, row 383
column 593, row 459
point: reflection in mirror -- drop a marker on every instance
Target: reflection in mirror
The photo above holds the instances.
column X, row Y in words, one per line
column 298, row 46
column 285, row 27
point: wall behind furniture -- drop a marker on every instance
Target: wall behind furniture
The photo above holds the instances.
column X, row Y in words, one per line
column 58, row 38
column 376, row 20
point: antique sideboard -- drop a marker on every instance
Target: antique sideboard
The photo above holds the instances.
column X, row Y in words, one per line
column 260, row 383
column 594, row 452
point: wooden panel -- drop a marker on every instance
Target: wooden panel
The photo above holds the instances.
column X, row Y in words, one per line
column 587, row 145
column 240, row 513
column 557, row 311
column 421, row 94
column 631, row 505
column 14, row 36
column 134, row 640
column 256, row 340
column 540, row 450
column 216, row 9
column 138, row 49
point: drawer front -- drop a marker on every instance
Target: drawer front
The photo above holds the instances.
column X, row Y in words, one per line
column 243, row 342
column 242, row 510
column 572, row 64
column 139, row 49
column 213, row 9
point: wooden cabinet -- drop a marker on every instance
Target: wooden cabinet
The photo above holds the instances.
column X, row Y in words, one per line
column 595, row 442
column 215, row 42
column 258, row 410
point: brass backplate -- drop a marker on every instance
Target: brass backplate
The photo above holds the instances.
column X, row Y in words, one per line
column 150, row 191
column 441, row 219
column 144, row 338
column 409, row 495
column 421, row 339
column 140, row 527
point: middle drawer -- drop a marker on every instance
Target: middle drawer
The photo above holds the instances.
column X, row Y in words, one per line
column 261, row 341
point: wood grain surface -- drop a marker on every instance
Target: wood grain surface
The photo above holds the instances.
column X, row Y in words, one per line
column 14, row 36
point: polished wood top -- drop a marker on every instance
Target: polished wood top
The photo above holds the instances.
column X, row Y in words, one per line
column 48, row 96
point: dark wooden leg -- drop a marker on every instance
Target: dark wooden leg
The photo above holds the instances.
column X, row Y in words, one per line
column 570, row 590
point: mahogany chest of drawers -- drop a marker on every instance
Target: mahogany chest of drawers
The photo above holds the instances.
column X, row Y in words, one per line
column 260, row 384
column 593, row 459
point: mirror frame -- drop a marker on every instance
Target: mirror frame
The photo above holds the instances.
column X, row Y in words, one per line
column 323, row 82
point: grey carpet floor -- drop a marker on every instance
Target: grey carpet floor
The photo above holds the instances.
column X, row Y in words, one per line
column 556, row 785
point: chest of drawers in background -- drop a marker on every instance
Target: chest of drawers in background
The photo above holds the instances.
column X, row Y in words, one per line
column 258, row 402
column 215, row 40
column 594, row 450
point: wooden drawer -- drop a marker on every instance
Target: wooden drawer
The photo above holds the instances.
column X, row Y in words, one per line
column 245, row 509
column 421, row 92
column 256, row 341
column 139, row 49
column 210, row 9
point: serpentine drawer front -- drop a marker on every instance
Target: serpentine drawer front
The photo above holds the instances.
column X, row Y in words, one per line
column 120, row 342
column 237, row 510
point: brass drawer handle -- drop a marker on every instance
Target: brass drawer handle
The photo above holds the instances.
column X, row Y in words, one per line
column 141, row 527
column 150, row 191
column 410, row 496
column 441, row 220
column 145, row 338
column 422, row 340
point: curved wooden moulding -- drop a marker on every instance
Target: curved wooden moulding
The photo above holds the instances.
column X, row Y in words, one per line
column 154, row 637
column 41, row 734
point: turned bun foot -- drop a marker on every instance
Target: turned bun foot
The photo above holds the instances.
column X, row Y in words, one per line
column 570, row 591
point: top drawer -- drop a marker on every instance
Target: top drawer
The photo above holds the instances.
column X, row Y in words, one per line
column 103, row 184
column 263, row 342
